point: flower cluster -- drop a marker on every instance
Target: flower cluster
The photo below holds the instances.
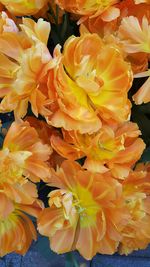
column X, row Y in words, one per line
column 73, row 128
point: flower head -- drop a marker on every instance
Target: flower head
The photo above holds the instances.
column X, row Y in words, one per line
column 23, row 155
column 136, row 189
column 24, row 7
column 87, row 8
column 111, row 148
column 86, row 82
column 86, row 209
column 24, row 68
column 129, row 32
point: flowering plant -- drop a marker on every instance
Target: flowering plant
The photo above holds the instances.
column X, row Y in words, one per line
column 74, row 79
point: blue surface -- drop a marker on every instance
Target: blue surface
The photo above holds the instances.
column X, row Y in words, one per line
column 39, row 255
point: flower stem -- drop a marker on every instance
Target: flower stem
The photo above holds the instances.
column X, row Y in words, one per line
column 70, row 260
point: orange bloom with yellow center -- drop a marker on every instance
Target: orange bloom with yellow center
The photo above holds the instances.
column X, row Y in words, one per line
column 136, row 189
column 24, row 68
column 24, row 7
column 131, row 29
column 86, row 8
column 23, row 155
column 111, row 148
column 86, row 209
column 89, row 87
column 16, row 229
column 127, row 8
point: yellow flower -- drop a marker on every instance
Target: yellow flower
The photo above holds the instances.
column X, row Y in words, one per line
column 136, row 189
column 23, row 155
column 86, row 7
column 111, row 148
column 24, row 7
column 86, row 212
column 129, row 32
column 24, row 68
column 88, row 86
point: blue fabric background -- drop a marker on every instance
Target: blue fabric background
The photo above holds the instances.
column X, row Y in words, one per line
column 40, row 256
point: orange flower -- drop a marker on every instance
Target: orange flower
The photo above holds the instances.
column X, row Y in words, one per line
column 86, row 212
column 127, row 8
column 86, row 82
column 16, row 229
column 115, row 149
column 86, row 8
column 23, row 155
column 25, row 63
column 136, row 190
column 130, row 32
column 24, row 7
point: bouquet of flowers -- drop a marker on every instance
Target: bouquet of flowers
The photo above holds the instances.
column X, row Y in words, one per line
column 74, row 89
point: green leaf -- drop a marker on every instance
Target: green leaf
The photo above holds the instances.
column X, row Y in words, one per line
column 64, row 27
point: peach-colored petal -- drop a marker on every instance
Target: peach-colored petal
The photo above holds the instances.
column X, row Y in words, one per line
column 16, row 230
column 6, row 206
column 110, row 14
column 40, row 30
column 25, row 193
column 143, row 94
column 135, row 37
